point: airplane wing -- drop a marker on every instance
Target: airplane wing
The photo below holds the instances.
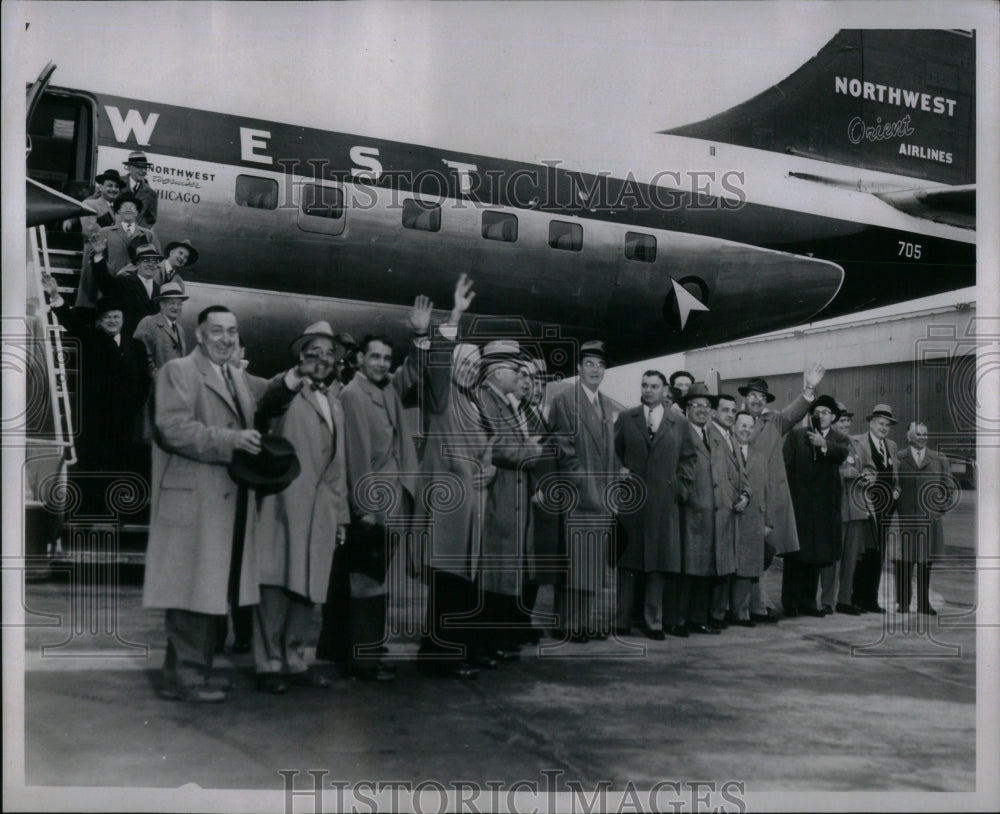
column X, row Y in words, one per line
column 45, row 205
column 952, row 205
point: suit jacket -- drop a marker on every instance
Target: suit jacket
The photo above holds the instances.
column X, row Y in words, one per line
column 161, row 347
column 150, row 201
column 664, row 467
column 586, row 446
column 880, row 494
column 856, row 504
column 816, row 493
column 136, row 302
column 115, row 257
column 194, row 499
column 296, row 529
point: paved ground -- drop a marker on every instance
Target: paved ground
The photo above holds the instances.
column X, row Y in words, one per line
column 835, row 704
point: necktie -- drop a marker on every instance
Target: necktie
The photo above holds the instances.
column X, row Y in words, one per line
column 704, row 437
column 177, row 335
column 649, row 424
column 319, row 388
column 881, row 451
column 743, row 450
column 231, row 385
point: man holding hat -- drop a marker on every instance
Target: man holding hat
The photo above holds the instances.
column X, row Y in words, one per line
column 136, row 184
column 879, row 454
column 381, row 479
column 298, row 528
column 114, row 382
column 770, row 428
column 179, row 254
column 112, row 245
column 583, row 422
column 856, row 521
column 813, row 456
column 202, row 553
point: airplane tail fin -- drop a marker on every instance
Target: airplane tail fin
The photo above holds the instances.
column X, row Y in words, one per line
column 897, row 101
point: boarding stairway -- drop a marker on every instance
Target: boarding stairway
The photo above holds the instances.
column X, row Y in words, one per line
column 50, row 439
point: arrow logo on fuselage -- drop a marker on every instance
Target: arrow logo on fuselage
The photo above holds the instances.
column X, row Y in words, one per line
column 686, row 302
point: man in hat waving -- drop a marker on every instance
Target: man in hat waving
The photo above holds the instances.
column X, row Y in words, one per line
column 298, row 528
column 770, row 428
column 109, row 185
column 880, row 455
column 202, row 555
column 137, row 166
column 813, row 456
column 179, row 254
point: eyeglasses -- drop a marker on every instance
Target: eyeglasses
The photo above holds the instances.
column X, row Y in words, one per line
column 325, row 355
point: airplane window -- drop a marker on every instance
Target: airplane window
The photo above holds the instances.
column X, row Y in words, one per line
column 500, row 226
column 566, row 236
column 322, row 202
column 256, row 192
column 640, row 247
column 423, row 216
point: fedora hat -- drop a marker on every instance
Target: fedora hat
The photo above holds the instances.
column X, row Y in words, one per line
column 828, row 402
column 844, row 412
column 314, row 331
column 501, row 350
column 758, row 385
column 126, row 197
column 110, row 175
column 270, row 470
column 183, row 244
column 881, row 411
column 105, row 304
column 594, row 348
column 138, row 159
column 143, row 251
column 171, row 289
column 696, row 391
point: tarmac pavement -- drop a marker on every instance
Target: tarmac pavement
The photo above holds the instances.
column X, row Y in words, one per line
column 841, row 703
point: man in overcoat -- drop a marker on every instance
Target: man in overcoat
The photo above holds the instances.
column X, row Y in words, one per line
column 201, row 555
column 655, row 448
column 298, row 528
column 752, row 524
column 813, row 456
column 582, row 419
column 137, row 167
column 770, row 428
column 925, row 491
column 880, row 454
column 382, row 476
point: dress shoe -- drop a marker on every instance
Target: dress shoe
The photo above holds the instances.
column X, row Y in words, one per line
column 271, row 683
column 765, row 618
column 375, row 673
column 219, row 683
column 623, row 631
column 791, row 613
column 927, row 611
column 579, row 638
column 239, row 648
column 717, row 624
column 698, row 628
column 195, row 693
column 656, row 635
column 485, row 662
column 813, row 612
column 871, row 607
column 463, row 672
column 599, row 636
column 827, row 610
column 506, row 655
column 308, row 678
column 743, row 622
column 679, row 631
column 850, row 610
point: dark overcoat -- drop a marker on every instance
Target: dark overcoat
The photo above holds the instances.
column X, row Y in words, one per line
column 752, row 523
column 544, row 528
column 661, row 465
column 925, row 492
column 706, row 506
column 816, row 493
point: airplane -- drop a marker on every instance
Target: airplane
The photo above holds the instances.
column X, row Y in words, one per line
column 849, row 185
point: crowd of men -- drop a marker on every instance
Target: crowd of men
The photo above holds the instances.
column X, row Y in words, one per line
column 283, row 494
